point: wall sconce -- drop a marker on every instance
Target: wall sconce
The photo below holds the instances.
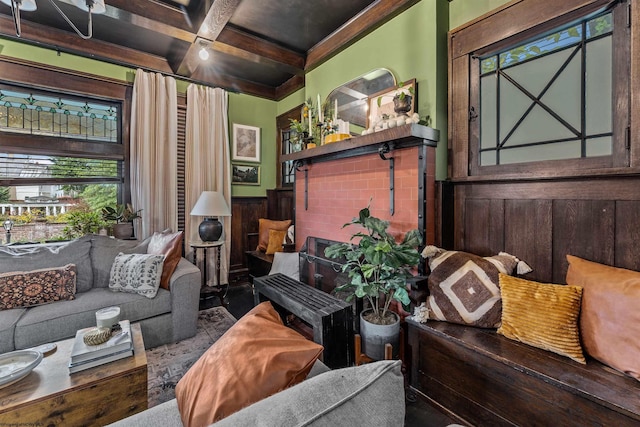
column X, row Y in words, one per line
column 91, row 6
column 8, row 225
column 211, row 205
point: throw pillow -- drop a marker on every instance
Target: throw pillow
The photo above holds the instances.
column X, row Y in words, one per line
column 286, row 263
column 136, row 273
column 31, row 288
column 610, row 317
column 542, row 315
column 104, row 250
column 264, row 225
column 343, row 397
column 257, row 357
column 276, row 240
column 170, row 245
column 463, row 287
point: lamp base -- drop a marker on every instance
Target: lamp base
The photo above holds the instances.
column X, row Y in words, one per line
column 210, row 230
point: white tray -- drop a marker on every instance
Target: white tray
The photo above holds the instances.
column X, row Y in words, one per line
column 16, row 365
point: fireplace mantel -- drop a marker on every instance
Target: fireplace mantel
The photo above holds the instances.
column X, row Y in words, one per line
column 382, row 142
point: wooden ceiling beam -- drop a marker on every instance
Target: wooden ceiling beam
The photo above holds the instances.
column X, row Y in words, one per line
column 240, row 44
column 376, row 14
column 233, row 84
column 217, row 16
column 153, row 16
column 290, row 86
column 93, row 48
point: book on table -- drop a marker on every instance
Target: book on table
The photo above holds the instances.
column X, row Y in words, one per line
column 120, row 344
column 81, row 366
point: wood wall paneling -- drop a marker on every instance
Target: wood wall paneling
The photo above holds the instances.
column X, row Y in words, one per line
column 627, row 231
column 245, row 212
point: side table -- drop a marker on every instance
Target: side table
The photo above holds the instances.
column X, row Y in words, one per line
column 206, row 291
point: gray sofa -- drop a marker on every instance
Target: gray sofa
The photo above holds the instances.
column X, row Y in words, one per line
column 169, row 317
column 366, row 395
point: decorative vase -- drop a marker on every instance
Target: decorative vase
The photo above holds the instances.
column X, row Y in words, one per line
column 374, row 337
column 123, row 230
column 402, row 106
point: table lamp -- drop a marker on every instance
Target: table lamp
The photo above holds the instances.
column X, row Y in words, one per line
column 210, row 205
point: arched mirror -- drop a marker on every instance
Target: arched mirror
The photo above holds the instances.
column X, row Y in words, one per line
column 352, row 96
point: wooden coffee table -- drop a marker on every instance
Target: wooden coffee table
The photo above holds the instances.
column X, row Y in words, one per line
column 49, row 395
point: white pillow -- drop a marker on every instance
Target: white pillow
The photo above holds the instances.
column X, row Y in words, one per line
column 286, row 263
column 136, row 273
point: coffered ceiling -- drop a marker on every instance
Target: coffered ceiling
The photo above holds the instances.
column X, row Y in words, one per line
column 259, row 47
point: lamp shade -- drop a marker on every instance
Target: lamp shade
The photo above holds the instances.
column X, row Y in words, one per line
column 211, row 205
column 97, row 9
column 26, row 5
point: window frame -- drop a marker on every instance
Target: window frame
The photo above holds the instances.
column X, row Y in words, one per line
column 27, row 75
column 519, row 22
column 283, row 124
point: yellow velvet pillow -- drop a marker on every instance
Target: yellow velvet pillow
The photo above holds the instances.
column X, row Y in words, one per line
column 542, row 315
column 276, row 238
column 264, row 225
column 257, row 357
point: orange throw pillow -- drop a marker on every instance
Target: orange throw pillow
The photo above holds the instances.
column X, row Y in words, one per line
column 169, row 245
column 610, row 317
column 256, row 358
column 276, row 239
column 264, row 225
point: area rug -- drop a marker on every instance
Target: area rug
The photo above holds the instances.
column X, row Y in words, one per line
column 166, row 364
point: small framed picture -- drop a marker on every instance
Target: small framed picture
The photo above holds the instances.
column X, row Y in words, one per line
column 246, row 143
column 378, row 108
column 245, row 174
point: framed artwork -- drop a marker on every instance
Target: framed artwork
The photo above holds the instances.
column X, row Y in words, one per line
column 246, row 143
column 386, row 102
column 245, row 174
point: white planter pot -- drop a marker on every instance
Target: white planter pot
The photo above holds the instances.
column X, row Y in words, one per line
column 374, row 337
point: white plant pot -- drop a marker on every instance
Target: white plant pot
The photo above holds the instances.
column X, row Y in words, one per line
column 374, row 337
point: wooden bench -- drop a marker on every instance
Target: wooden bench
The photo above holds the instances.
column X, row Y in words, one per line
column 331, row 318
column 486, row 379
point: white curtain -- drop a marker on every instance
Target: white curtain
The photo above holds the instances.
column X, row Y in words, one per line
column 207, row 163
column 154, row 141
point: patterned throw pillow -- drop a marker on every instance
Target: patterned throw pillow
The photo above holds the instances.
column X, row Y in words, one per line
column 137, row 273
column 464, row 288
column 31, row 288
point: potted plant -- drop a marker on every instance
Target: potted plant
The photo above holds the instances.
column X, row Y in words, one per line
column 401, row 99
column 123, row 215
column 378, row 267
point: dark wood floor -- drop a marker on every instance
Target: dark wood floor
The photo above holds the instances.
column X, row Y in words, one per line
column 419, row 414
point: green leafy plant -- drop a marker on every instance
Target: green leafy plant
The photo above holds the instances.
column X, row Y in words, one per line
column 401, row 93
column 80, row 223
column 120, row 213
column 377, row 265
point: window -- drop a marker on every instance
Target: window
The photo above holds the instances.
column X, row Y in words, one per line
column 62, row 157
column 286, row 170
column 542, row 88
column 550, row 98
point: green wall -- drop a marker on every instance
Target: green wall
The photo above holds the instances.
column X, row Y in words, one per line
column 462, row 11
column 411, row 46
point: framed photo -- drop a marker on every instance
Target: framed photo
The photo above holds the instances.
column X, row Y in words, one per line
column 386, row 102
column 245, row 174
column 246, row 143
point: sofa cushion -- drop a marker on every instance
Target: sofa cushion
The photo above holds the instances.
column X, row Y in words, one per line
column 276, row 240
column 257, row 357
column 264, row 225
column 136, row 273
column 170, row 245
column 37, row 287
column 8, row 321
column 16, row 258
column 53, row 322
column 542, row 315
column 610, row 317
column 463, row 287
column 104, row 250
column 370, row 394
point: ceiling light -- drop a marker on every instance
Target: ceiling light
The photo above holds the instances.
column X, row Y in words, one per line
column 91, row 6
column 204, row 54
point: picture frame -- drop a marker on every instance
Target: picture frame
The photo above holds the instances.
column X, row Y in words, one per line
column 246, row 143
column 386, row 104
column 245, row 174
